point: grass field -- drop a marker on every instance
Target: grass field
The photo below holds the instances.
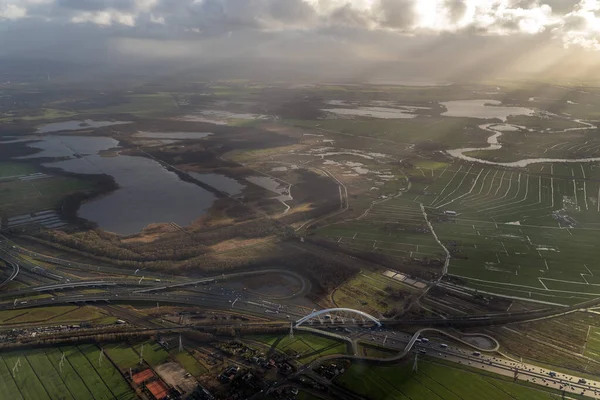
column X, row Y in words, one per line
column 25, row 196
column 56, row 315
column 9, row 169
column 141, row 105
column 557, row 342
column 395, row 228
column 126, row 356
column 530, row 233
column 302, row 395
column 45, row 113
column 592, row 346
column 306, row 346
column 448, row 132
column 374, row 351
column 41, row 376
column 122, row 355
column 371, row 292
column 434, row 381
column 190, row 364
column 153, row 353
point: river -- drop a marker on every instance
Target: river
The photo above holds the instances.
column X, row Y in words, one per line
column 494, row 144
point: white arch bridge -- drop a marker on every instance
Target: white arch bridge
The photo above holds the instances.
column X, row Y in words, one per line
column 340, row 314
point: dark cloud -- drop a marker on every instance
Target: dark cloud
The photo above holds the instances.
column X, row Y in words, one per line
column 335, row 34
column 346, row 16
column 96, row 5
column 456, row 9
column 561, row 7
column 397, row 13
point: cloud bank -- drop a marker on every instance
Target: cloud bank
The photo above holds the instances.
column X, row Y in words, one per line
column 378, row 31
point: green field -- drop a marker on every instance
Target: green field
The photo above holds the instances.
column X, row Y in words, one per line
column 122, row 355
column 371, row 292
column 142, row 105
column 528, row 233
column 153, row 354
column 302, row 395
column 592, row 347
column 45, row 113
column 9, row 169
column 126, row 356
column 22, row 197
column 190, row 364
column 306, row 346
column 56, row 315
column 81, row 376
column 434, row 381
column 506, row 237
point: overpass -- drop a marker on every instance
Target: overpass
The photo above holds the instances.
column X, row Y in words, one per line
column 74, row 285
column 304, row 284
column 343, row 311
column 13, row 274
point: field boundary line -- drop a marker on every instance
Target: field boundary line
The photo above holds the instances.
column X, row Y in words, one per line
column 95, row 370
column 13, row 378
column 444, row 188
column 465, row 194
column 77, row 372
column 584, row 187
column 457, row 187
column 456, row 288
column 58, row 374
column 37, row 377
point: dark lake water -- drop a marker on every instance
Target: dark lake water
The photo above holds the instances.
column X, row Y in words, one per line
column 148, row 193
column 220, row 182
column 76, row 125
column 173, row 135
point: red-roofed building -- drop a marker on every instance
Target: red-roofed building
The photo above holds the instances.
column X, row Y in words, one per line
column 143, row 376
column 158, row 390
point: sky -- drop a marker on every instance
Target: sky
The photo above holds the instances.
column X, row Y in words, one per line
column 447, row 39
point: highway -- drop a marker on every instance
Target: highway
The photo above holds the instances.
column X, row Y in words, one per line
column 204, row 292
column 489, row 361
column 13, row 274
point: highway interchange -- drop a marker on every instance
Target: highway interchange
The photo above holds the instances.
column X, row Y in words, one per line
column 203, row 292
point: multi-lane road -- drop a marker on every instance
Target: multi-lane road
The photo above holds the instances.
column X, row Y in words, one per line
column 203, row 292
column 492, row 361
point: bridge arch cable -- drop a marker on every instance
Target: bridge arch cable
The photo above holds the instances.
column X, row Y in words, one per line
column 316, row 314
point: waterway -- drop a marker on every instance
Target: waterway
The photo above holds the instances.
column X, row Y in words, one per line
column 496, row 130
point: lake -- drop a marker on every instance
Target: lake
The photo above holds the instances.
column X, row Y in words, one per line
column 373, row 112
column 76, row 125
column 485, row 109
column 220, row 182
column 148, row 193
column 173, row 135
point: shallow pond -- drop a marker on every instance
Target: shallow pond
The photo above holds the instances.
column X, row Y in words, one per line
column 485, row 109
column 374, row 112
